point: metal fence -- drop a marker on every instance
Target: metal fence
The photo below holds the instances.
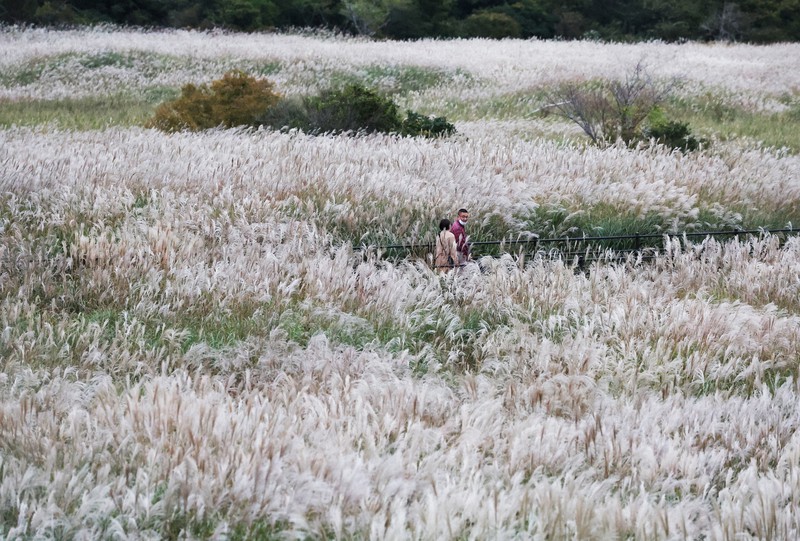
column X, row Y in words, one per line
column 582, row 250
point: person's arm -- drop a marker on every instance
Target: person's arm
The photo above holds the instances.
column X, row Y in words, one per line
column 453, row 249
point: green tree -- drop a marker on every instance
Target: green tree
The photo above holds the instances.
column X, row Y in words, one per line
column 132, row 12
column 18, row 11
column 247, row 15
column 465, row 8
column 420, row 18
column 57, row 13
column 490, row 24
column 759, row 21
column 571, row 24
column 368, row 17
column 673, row 21
column 766, row 21
column 725, row 24
column 533, row 17
column 309, row 13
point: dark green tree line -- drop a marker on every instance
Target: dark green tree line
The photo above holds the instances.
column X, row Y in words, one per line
column 759, row 21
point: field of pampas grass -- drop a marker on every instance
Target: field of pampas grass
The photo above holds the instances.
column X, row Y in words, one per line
column 194, row 343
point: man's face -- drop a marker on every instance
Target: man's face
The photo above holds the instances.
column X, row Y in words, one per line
column 463, row 216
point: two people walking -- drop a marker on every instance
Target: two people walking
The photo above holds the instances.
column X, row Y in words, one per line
column 452, row 248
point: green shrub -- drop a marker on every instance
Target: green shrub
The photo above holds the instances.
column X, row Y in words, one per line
column 290, row 113
column 670, row 133
column 416, row 124
column 237, row 99
column 353, row 108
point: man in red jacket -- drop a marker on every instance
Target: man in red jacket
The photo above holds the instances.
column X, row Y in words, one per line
column 457, row 229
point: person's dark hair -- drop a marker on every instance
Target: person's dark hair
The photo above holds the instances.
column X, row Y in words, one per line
column 444, row 224
column 463, row 210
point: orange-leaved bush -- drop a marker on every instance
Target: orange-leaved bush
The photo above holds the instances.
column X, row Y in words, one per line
column 237, row 99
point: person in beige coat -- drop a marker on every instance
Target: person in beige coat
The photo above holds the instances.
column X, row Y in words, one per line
column 446, row 251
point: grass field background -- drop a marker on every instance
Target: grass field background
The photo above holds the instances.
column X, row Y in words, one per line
column 194, row 346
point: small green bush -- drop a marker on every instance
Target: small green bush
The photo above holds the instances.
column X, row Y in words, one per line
column 290, row 113
column 237, row 99
column 416, row 124
column 353, row 108
column 670, row 133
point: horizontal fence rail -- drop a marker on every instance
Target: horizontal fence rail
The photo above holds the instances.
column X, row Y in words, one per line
column 581, row 249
